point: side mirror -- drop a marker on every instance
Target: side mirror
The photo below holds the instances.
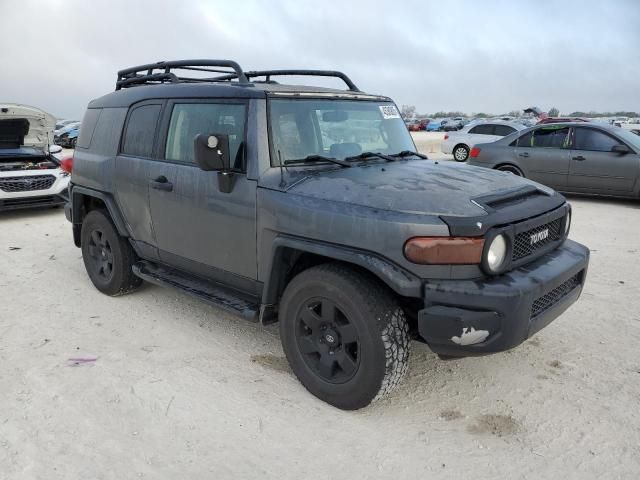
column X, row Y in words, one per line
column 55, row 149
column 621, row 149
column 212, row 151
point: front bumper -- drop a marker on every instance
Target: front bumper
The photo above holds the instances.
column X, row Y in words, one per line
column 56, row 194
column 476, row 317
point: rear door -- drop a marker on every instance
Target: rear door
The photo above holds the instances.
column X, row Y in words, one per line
column 199, row 228
column 543, row 155
column 133, row 165
column 595, row 168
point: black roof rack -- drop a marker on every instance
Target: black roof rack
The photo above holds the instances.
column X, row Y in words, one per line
column 144, row 74
column 161, row 72
column 307, row 73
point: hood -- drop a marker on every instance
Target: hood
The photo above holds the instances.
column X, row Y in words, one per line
column 22, row 125
column 417, row 187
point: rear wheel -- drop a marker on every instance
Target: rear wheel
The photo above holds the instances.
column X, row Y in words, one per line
column 344, row 335
column 461, row 153
column 107, row 256
column 511, row 169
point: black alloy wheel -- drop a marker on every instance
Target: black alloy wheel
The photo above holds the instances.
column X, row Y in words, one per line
column 327, row 340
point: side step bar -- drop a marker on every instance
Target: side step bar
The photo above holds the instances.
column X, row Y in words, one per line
column 204, row 290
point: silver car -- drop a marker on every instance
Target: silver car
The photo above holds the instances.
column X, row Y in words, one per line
column 586, row 158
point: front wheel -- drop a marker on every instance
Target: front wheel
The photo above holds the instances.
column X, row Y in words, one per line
column 344, row 335
column 461, row 153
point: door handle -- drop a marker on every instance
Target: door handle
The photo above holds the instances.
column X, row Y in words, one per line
column 161, row 183
column 579, row 158
column 523, row 155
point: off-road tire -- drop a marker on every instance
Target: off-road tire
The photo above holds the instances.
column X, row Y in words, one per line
column 121, row 279
column 460, row 153
column 381, row 326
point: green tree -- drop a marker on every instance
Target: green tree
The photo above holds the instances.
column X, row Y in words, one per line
column 554, row 112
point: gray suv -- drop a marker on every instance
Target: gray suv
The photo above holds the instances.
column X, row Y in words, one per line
column 310, row 206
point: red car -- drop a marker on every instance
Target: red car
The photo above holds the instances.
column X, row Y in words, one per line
column 543, row 117
column 418, row 125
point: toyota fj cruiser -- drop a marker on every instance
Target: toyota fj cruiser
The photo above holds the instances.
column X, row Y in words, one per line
column 311, row 206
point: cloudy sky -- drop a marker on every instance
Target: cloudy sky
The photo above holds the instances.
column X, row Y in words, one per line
column 474, row 56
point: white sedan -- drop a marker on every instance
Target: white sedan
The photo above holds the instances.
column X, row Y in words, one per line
column 461, row 142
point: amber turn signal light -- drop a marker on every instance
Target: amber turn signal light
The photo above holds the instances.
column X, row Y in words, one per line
column 444, row 250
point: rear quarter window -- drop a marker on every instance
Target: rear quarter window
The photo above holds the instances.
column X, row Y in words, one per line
column 88, row 126
column 106, row 134
column 503, row 130
column 484, row 129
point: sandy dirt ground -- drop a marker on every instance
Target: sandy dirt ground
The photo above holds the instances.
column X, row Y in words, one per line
column 183, row 390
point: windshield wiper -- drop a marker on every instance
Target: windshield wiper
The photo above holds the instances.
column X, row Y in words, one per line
column 317, row 159
column 367, row 155
column 409, row 153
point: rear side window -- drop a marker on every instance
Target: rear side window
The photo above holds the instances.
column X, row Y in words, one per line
column 106, row 135
column 483, row 129
column 594, row 140
column 88, row 126
column 551, row 138
column 141, row 131
column 190, row 119
column 503, row 130
column 523, row 140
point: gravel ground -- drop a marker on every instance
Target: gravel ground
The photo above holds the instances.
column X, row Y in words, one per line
column 179, row 389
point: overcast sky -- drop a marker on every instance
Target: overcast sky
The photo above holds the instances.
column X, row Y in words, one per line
column 473, row 56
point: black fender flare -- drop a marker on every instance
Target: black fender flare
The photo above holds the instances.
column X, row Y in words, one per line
column 397, row 278
column 76, row 197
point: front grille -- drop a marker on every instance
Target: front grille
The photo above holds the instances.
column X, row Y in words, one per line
column 26, row 184
column 549, row 299
column 527, row 243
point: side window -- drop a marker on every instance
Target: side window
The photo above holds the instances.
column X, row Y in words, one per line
column 141, row 131
column 594, row 140
column 482, row 129
column 503, row 130
column 550, row 138
column 523, row 141
column 88, row 126
column 190, row 119
column 106, row 135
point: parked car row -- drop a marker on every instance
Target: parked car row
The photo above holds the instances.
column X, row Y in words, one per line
column 436, row 125
column 67, row 135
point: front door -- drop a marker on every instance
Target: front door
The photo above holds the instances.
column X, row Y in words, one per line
column 197, row 227
column 595, row 168
column 544, row 155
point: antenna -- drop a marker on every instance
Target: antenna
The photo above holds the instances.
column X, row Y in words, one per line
column 282, row 182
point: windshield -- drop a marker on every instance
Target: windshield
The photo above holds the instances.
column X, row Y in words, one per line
column 630, row 137
column 335, row 128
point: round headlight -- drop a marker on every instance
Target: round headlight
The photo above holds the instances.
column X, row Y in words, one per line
column 496, row 253
column 567, row 223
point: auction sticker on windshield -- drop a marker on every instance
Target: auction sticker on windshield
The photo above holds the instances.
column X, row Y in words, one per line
column 389, row 111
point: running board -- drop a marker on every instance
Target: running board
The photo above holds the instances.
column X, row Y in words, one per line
column 209, row 292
